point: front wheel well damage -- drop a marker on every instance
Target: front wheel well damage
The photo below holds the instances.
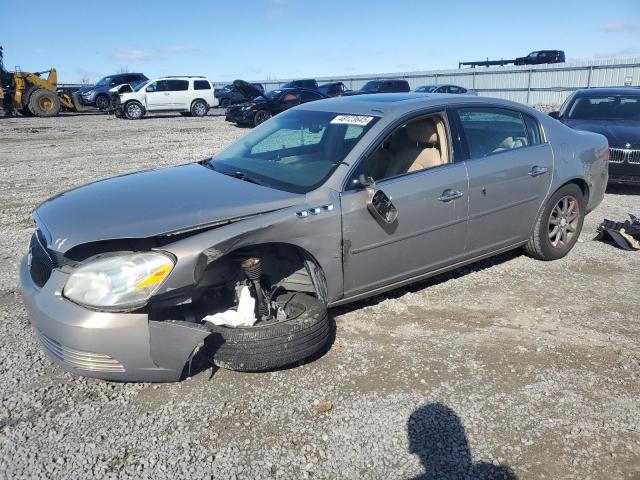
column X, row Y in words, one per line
column 584, row 187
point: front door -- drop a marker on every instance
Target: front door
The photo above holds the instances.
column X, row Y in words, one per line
column 414, row 167
column 509, row 171
column 158, row 95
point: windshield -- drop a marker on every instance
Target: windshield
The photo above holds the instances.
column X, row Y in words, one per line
column 295, row 151
column 609, row 107
column 104, row 81
column 137, row 86
column 372, row 86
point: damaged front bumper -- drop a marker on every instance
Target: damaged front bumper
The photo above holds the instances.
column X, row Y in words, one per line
column 110, row 346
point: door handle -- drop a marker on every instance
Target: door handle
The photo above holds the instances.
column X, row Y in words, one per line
column 535, row 171
column 449, row 195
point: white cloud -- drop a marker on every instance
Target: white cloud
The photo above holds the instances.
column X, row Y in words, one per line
column 618, row 27
column 131, row 55
column 624, row 52
column 179, row 49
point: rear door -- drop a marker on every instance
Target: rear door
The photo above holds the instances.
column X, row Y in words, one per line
column 509, row 168
column 179, row 94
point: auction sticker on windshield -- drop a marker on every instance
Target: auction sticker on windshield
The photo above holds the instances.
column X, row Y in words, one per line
column 352, row 120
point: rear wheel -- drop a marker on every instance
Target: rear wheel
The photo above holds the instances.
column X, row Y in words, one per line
column 261, row 117
column 102, row 102
column 44, row 103
column 224, row 103
column 274, row 344
column 133, row 110
column 558, row 225
column 199, row 108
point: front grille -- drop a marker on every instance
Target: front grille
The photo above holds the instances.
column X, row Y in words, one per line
column 93, row 362
column 621, row 155
column 41, row 260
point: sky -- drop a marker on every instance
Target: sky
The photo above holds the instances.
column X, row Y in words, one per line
column 283, row 39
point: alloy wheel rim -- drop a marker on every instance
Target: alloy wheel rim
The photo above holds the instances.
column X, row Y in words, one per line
column 134, row 110
column 262, row 117
column 563, row 221
column 199, row 109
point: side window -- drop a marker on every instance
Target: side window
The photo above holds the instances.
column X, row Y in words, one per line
column 454, row 89
column 162, row 86
column 441, row 90
column 177, row 85
column 414, row 146
column 201, row 85
column 492, row 130
column 533, row 128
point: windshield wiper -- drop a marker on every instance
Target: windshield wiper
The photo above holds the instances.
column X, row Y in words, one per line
column 243, row 176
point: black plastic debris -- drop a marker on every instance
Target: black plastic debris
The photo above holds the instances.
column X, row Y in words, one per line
column 625, row 235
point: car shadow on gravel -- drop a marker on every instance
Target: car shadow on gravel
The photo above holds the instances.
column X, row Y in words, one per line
column 437, row 437
column 429, row 282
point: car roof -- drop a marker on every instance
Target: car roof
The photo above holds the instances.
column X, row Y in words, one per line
column 390, row 104
column 585, row 92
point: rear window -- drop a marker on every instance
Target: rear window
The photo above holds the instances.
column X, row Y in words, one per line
column 201, row 85
column 492, row 130
column 178, row 85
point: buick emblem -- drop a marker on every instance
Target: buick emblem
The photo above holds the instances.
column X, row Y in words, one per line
column 627, row 146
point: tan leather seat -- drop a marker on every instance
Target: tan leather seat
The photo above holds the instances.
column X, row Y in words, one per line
column 421, row 152
column 510, row 143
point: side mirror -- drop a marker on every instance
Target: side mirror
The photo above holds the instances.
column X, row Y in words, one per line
column 381, row 206
column 150, row 89
column 555, row 115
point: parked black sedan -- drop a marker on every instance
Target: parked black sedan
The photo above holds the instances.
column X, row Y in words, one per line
column 614, row 113
column 265, row 106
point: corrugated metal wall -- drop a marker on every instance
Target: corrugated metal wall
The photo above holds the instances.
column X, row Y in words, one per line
column 535, row 85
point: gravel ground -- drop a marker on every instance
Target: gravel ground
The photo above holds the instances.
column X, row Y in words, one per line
column 510, row 368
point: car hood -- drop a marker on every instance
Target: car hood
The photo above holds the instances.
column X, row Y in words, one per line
column 153, row 203
column 618, row 132
column 248, row 90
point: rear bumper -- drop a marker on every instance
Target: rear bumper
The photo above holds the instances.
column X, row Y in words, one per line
column 110, row 346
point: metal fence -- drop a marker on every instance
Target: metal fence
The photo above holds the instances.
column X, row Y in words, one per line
column 533, row 85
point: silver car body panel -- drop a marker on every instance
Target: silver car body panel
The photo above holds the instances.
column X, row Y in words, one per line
column 356, row 254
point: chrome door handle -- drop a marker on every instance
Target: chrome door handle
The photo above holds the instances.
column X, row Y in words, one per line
column 449, row 195
column 535, row 171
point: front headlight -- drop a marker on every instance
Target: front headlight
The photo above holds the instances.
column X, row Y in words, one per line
column 88, row 94
column 126, row 280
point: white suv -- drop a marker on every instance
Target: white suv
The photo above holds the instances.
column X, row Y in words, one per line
column 191, row 96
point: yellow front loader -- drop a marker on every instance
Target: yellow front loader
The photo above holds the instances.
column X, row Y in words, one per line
column 31, row 94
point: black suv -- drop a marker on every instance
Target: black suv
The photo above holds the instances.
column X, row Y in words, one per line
column 309, row 83
column 230, row 95
column 98, row 95
column 540, row 57
column 381, row 86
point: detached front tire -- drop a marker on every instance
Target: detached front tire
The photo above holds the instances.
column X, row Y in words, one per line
column 558, row 225
column 273, row 344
